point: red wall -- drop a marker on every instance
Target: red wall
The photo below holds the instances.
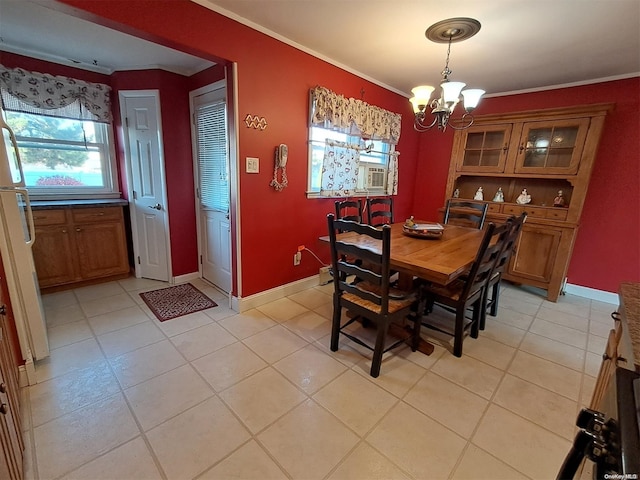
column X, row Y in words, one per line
column 273, row 82
column 607, row 249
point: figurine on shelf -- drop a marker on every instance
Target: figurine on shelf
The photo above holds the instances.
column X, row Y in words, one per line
column 523, row 198
column 479, row 195
column 456, row 193
column 499, row 197
column 559, row 200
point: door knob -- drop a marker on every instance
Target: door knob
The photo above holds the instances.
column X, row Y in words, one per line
column 4, row 409
column 157, row 206
column 3, row 387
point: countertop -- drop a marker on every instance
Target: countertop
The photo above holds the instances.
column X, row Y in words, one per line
column 100, row 202
column 630, row 301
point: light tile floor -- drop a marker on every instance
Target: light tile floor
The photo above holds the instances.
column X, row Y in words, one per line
column 259, row 395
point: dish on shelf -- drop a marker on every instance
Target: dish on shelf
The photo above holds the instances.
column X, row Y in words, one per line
column 423, row 230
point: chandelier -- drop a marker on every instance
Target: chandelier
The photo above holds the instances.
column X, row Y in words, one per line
column 447, row 31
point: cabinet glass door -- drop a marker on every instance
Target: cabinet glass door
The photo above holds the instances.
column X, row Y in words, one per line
column 551, row 147
column 485, row 148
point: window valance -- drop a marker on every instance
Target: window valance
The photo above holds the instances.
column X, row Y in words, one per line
column 331, row 110
column 57, row 96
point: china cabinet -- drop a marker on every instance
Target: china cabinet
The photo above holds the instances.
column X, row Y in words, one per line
column 550, row 154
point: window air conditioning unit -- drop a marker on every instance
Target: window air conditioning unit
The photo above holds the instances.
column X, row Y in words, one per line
column 375, row 177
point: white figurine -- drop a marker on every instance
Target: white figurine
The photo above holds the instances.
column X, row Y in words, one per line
column 456, row 193
column 479, row 195
column 523, row 198
column 499, row 195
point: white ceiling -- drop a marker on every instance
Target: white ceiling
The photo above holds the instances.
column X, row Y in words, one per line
column 32, row 29
column 522, row 45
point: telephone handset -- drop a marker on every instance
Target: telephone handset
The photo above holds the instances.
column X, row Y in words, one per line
column 281, row 157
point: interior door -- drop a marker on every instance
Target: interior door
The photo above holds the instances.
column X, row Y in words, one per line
column 143, row 139
column 211, row 150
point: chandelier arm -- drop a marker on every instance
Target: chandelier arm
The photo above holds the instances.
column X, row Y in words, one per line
column 420, row 127
column 468, row 116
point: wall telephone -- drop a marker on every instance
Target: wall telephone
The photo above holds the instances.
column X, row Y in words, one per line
column 281, row 157
column 282, row 152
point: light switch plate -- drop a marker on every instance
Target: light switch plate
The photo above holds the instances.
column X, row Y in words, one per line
column 253, row 165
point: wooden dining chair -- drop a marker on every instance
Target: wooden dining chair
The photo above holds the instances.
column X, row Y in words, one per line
column 380, row 210
column 466, row 213
column 372, row 298
column 493, row 284
column 349, row 210
column 466, row 292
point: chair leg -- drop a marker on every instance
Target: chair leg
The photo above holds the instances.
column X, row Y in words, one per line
column 417, row 325
column 494, row 299
column 376, row 361
column 458, row 332
column 483, row 309
column 477, row 317
column 335, row 323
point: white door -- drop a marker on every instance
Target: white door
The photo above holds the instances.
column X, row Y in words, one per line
column 211, row 150
column 149, row 218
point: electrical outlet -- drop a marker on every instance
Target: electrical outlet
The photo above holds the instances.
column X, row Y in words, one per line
column 296, row 258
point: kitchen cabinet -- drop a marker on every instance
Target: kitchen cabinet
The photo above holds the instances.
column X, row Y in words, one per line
column 79, row 245
column 545, row 152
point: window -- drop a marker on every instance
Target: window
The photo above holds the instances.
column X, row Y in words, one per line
column 351, row 147
column 64, row 133
column 61, row 155
column 374, row 161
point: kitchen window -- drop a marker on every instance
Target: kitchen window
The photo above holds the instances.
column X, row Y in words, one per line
column 63, row 156
column 63, row 127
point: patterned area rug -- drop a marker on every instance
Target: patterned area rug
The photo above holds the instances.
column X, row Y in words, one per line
column 176, row 301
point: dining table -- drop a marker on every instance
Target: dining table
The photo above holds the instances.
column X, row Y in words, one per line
column 438, row 259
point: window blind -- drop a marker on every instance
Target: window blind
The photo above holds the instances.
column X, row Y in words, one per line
column 212, row 154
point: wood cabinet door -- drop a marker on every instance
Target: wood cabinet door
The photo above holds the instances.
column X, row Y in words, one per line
column 102, row 249
column 482, row 148
column 551, row 147
column 535, row 254
column 11, row 445
column 53, row 257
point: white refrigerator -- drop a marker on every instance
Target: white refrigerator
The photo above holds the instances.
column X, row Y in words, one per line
column 17, row 235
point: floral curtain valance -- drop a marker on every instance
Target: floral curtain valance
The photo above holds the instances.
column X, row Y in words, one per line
column 331, row 110
column 57, row 96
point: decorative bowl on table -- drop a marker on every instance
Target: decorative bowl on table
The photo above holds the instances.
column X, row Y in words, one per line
column 423, row 230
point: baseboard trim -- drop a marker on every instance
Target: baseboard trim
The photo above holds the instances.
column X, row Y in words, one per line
column 592, row 293
column 253, row 301
column 187, row 277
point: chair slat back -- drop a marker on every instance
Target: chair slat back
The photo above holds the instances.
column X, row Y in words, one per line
column 510, row 242
column 490, row 248
column 380, row 210
column 466, row 213
column 349, row 210
column 364, row 263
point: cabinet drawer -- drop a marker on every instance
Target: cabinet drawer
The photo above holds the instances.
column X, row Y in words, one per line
column 512, row 210
column 558, row 214
column 494, row 208
column 49, row 217
column 536, row 212
column 88, row 215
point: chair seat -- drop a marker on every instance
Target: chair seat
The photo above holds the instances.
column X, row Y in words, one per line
column 398, row 299
column 452, row 291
